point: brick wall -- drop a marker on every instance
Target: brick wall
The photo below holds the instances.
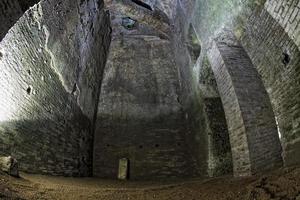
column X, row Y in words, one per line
column 139, row 114
column 275, row 53
column 48, row 92
column 287, row 14
column 254, row 139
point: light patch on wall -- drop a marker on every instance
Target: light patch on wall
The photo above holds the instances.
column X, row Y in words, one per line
column 278, row 130
column 7, row 108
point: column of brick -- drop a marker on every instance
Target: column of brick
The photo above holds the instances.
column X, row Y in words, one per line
column 253, row 135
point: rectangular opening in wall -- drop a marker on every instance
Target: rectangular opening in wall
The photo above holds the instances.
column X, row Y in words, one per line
column 123, row 173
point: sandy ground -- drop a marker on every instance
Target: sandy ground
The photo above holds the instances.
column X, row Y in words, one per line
column 282, row 184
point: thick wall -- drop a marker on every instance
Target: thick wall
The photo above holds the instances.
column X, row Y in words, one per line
column 51, row 66
column 271, row 41
column 251, row 123
column 189, row 97
column 139, row 114
column 269, row 32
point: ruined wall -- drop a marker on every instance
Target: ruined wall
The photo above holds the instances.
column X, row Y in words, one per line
column 269, row 32
column 219, row 149
column 272, row 43
column 51, row 65
column 287, row 14
column 186, row 54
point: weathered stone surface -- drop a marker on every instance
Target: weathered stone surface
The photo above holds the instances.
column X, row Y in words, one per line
column 9, row 165
column 140, row 115
column 251, row 122
column 219, row 149
column 275, row 53
column 51, row 68
column 287, row 14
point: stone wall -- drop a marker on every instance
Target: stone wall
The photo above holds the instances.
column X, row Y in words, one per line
column 139, row 114
column 219, row 149
column 287, row 14
column 51, row 66
column 251, row 123
column 189, row 96
column 274, row 50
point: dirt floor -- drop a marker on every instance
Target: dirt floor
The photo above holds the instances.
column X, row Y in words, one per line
column 282, row 184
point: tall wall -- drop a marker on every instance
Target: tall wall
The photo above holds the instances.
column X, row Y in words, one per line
column 139, row 114
column 271, row 40
column 51, row 67
column 26, row 4
column 287, row 15
column 251, row 123
column 219, row 148
column 269, row 32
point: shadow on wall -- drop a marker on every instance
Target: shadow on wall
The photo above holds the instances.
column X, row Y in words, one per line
column 42, row 147
column 43, row 123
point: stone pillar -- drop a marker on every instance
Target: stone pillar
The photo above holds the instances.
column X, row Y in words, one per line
column 252, row 129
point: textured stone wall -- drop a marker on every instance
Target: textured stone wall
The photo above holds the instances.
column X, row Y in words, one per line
column 51, row 66
column 219, row 149
column 287, row 14
column 189, row 96
column 139, row 114
column 10, row 12
column 274, row 51
column 253, row 135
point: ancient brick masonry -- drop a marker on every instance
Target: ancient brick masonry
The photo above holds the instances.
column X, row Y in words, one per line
column 275, row 54
column 139, row 116
column 253, row 135
column 287, row 14
column 51, row 67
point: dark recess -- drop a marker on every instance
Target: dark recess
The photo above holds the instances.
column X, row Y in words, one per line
column 140, row 3
column 286, row 59
column 28, row 90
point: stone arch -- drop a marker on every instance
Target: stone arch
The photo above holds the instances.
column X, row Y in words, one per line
column 251, row 122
